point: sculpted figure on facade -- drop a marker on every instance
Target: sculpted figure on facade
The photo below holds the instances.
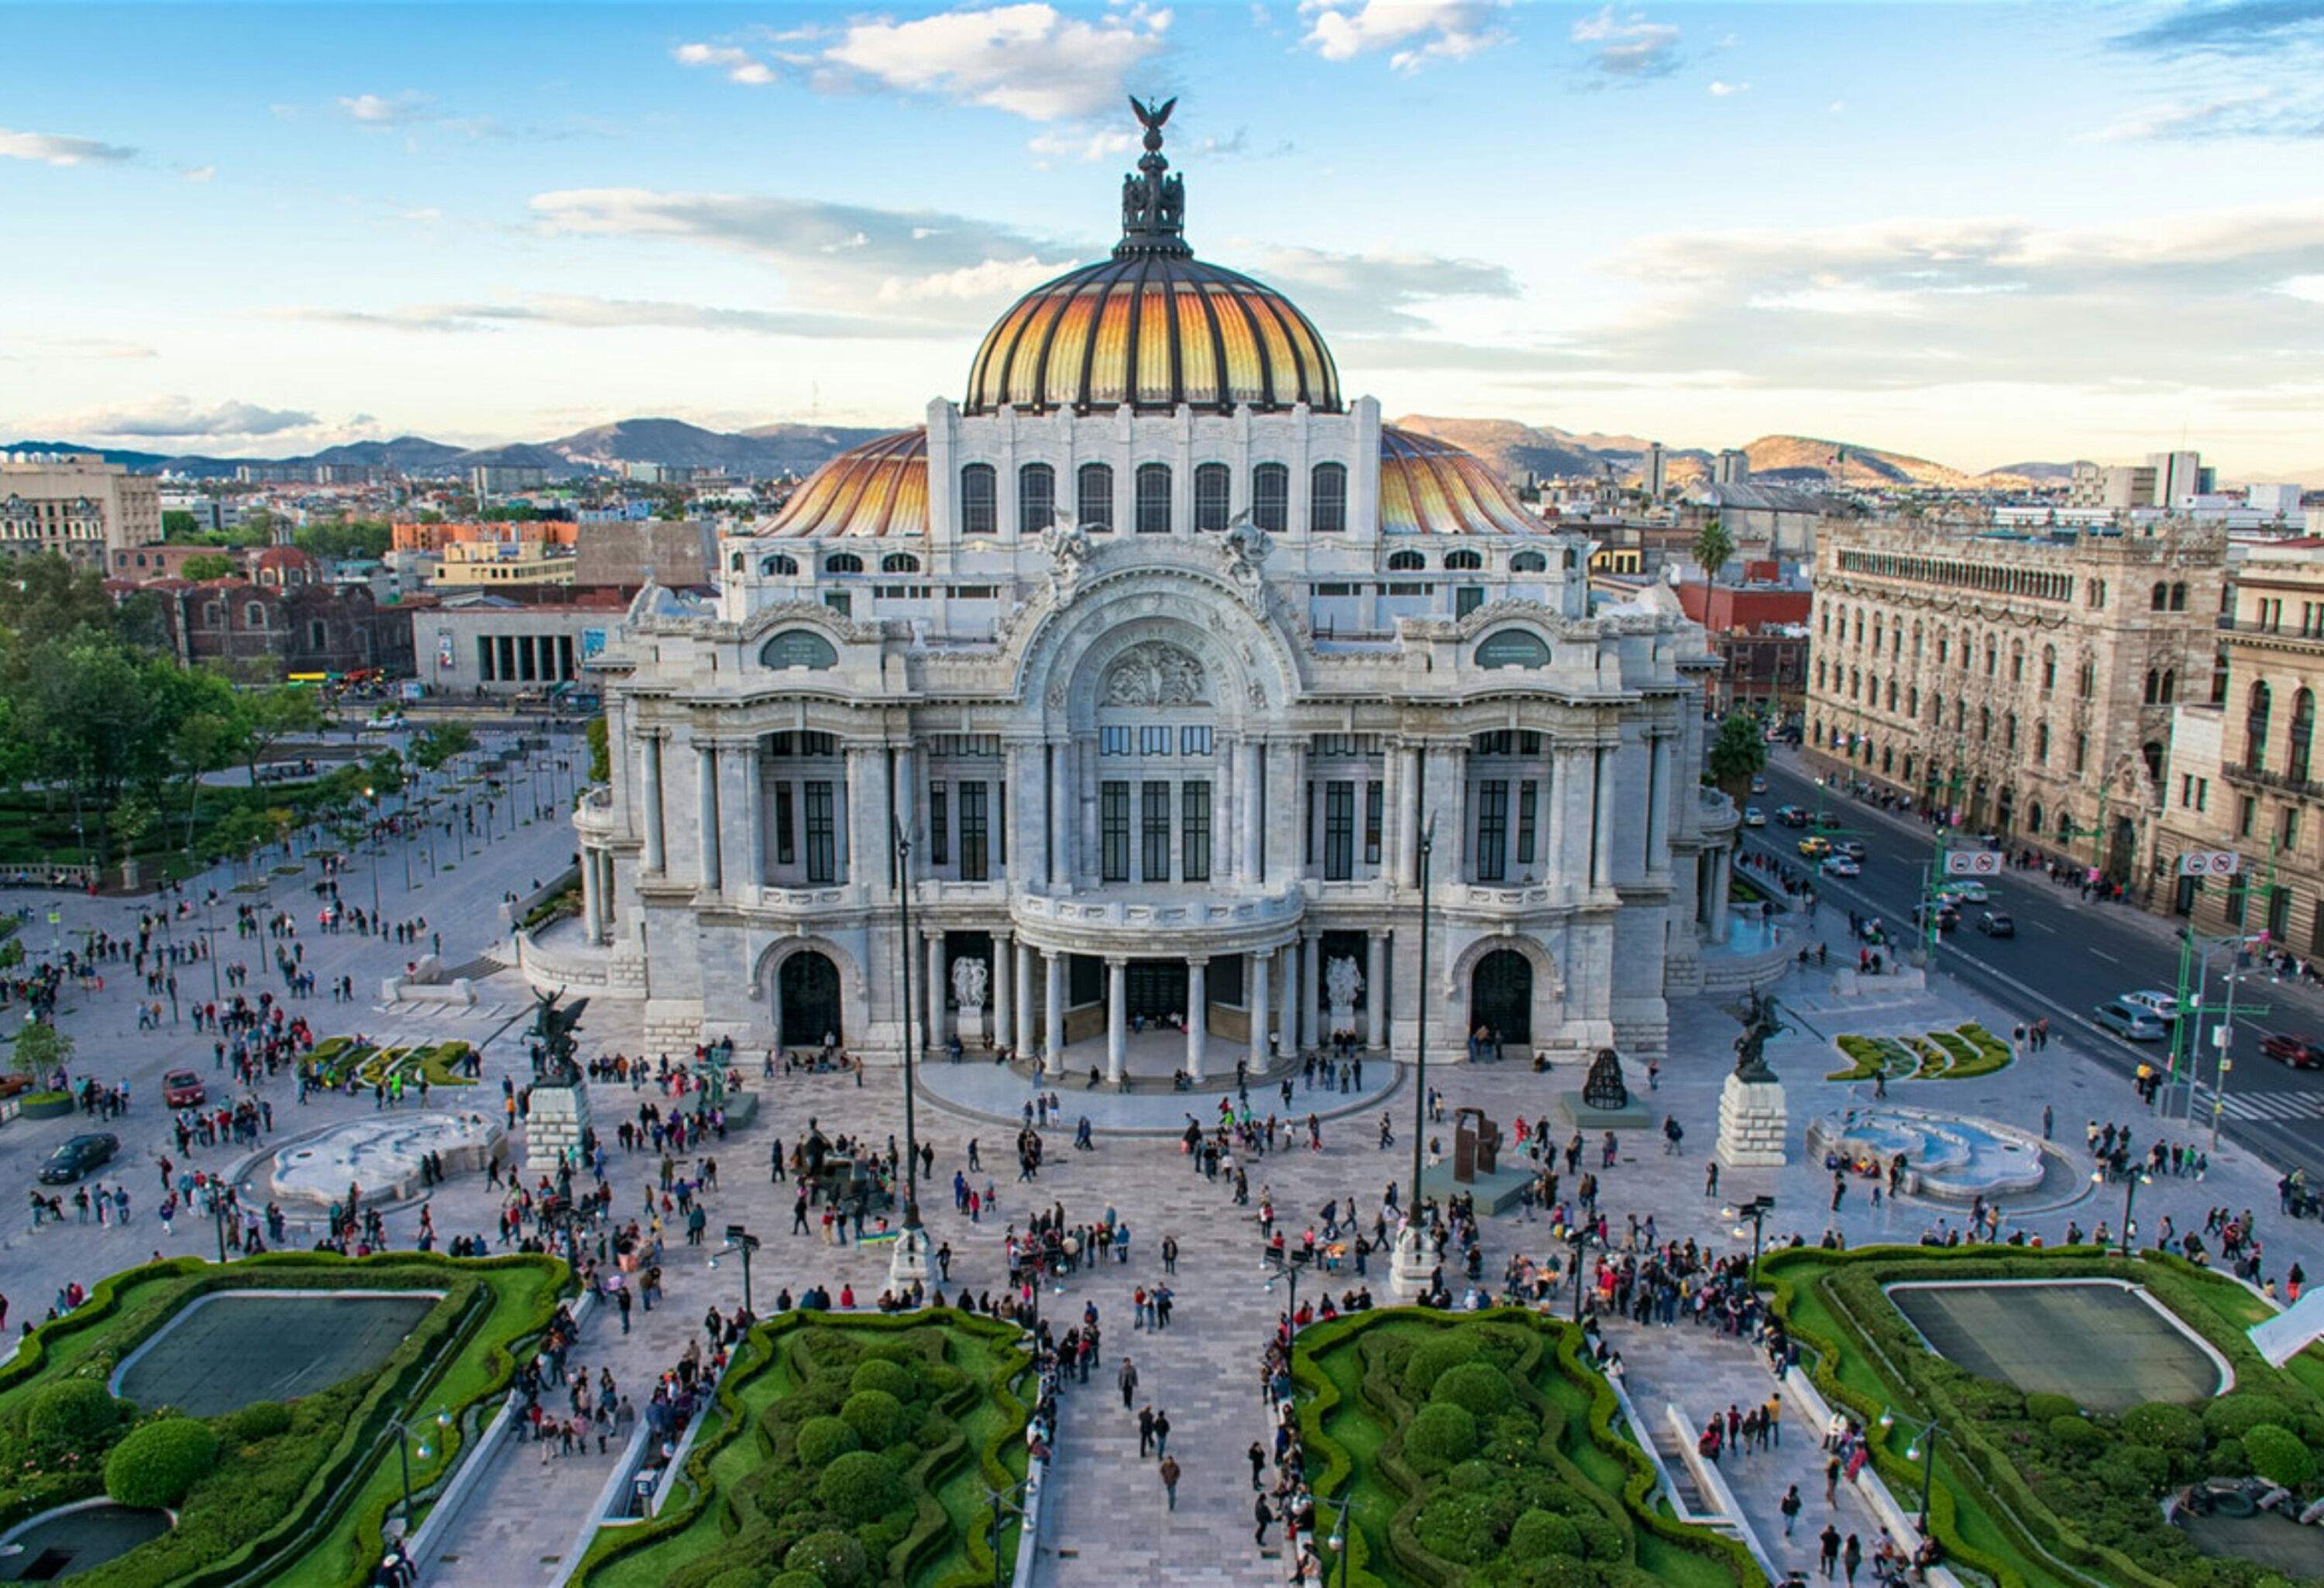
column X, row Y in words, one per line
column 1247, row 548
column 1155, row 674
column 968, row 984
column 1068, row 547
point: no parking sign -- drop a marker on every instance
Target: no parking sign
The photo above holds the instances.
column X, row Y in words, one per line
column 1973, row 862
column 2210, row 863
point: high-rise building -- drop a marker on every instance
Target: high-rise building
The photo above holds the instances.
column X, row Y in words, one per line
column 1652, row 469
column 1732, row 468
column 77, row 504
column 2179, row 477
column 491, row 479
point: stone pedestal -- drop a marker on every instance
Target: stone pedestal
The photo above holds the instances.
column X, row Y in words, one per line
column 908, row 1259
column 1411, row 1265
column 970, row 1024
column 1754, row 1121
column 554, row 1120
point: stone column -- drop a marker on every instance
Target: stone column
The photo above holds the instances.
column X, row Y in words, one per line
column 1261, row 998
column 1407, row 821
column 1658, row 802
column 1391, row 812
column 907, row 806
column 1559, row 867
column 1025, row 1033
column 744, row 757
column 936, row 990
column 1004, row 989
column 1311, row 987
column 1061, row 814
column 1601, row 854
column 1723, row 878
column 1053, row 1013
column 1376, row 990
column 1198, row 1000
column 1117, row 1015
column 1249, row 778
column 657, row 853
column 706, row 781
column 593, row 904
column 866, row 806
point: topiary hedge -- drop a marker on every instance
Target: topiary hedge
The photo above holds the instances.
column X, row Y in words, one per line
column 157, row 1463
column 2278, row 1456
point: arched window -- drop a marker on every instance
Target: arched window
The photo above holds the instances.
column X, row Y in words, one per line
column 1406, row 562
column 802, row 648
column 1984, row 724
column 255, row 614
column 1944, row 648
column 1936, row 711
column 1913, row 703
column 1529, row 562
column 2040, row 752
column 2033, row 815
column 1462, row 562
column 843, row 562
column 2017, row 661
column 2256, row 727
column 2161, row 600
column 2178, row 598
column 2009, row 731
column 2153, row 686
column 980, row 500
column 1036, row 498
column 2170, row 685
column 1512, row 648
column 899, row 562
column 2049, row 669
column 1819, row 672
column 1153, row 505
column 1327, row 499
column 1213, row 485
column 1892, row 694
column 1094, row 497
column 2303, row 731
column 1270, row 498
column 778, row 565
column 734, row 564
column 2088, row 680
column 1992, row 656
column 2082, row 752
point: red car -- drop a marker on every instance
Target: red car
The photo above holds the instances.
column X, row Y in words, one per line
column 2301, row 1053
column 183, row 1089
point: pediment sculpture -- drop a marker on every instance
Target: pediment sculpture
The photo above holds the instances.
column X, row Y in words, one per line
column 1156, row 673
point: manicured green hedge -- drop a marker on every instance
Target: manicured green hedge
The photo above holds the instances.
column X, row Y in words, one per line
column 1939, row 1055
column 1552, row 1493
column 902, row 1505
column 2030, row 1492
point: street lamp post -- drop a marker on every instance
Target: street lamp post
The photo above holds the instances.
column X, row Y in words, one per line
column 1339, row 1539
column 740, row 1241
column 1581, row 1240
column 1286, row 1269
column 2131, row 1182
column 404, row 1436
column 1923, row 1449
column 910, row 1261
column 1756, row 1210
column 1413, row 1262
column 374, row 798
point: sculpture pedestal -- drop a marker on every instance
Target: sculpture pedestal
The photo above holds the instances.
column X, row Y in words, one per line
column 969, row 1024
column 1580, row 1114
column 1411, row 1266
column 554, row 1119
column 908, row 1261
column 1754, row 1121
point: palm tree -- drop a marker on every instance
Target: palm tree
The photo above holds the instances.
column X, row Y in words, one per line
column 1713, row 549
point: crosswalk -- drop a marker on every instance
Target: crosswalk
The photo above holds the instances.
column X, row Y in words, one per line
column 2263, row 1107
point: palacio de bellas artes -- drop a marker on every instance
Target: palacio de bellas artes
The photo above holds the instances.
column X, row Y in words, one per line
column 1140, row 712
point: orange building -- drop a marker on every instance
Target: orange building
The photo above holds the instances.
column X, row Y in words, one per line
column 417, row 537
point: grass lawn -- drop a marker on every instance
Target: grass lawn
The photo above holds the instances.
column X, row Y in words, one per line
column 1476, row 1448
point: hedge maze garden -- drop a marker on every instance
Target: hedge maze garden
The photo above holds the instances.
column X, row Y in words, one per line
column 292, row 1492
column 1962, row 1054
column 843, row 1452
column 2038, row 1490
column 1476, row 1449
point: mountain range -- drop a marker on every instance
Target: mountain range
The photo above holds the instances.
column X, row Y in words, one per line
column 1514, row 448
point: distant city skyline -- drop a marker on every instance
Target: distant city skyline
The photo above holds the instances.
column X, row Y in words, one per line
column 1973, row 232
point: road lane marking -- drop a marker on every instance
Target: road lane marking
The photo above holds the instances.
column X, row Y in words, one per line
column 2102, row 954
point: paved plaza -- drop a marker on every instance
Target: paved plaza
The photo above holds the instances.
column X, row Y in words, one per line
column 1109, row 1523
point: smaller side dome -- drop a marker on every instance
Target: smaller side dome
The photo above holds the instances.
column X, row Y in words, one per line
column 878, row 488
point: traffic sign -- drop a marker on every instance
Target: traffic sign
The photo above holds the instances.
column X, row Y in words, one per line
column 2210, row 863
column 1973, row 862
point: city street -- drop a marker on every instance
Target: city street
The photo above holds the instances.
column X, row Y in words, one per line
column 2068, row 957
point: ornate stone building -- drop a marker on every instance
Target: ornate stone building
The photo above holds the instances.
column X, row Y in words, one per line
column 2026, row 682
column 1176, row 671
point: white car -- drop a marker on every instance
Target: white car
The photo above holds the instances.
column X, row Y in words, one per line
column 2166, row 1006
column 1970, row 892
column 1839, row 865
column 1753, row 816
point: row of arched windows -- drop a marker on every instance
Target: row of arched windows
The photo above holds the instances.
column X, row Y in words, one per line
column 2258, row 708
column 847, row 562
column 1152, row 488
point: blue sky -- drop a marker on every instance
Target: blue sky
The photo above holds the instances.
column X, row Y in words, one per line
column 1981, row 233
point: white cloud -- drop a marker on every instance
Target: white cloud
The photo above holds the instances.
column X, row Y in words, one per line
column 2311, row 288
column 738, row 65
column 609, row 314
column 179, row 418
column 56, row 149
column 1723, row 90
column 197, row 173
column 2255, row 112
column 1056, row 145
column 1628, row 45
column 387, row 110
column 1414, row 31
column 1029, row 61
column 1378, row 292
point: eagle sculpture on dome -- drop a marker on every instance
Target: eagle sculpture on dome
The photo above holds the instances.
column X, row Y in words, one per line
column 1153, row 206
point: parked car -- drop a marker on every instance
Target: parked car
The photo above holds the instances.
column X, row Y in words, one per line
column 1996, row 923
column 2301, row 1053
column 1753, row 816
column 2134, row 1021
column 78, row 1157
column 1815, row 847
column 1839, row 865
column 2164, row 1007
column 183, row 1089
column 1791, row 815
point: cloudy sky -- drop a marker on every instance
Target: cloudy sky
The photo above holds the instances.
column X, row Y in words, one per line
column 1982, row 233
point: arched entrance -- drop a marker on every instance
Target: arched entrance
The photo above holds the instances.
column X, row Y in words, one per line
column 1501, row 995
column 807, row 1000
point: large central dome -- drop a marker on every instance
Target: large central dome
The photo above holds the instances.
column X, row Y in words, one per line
column 1152, row 326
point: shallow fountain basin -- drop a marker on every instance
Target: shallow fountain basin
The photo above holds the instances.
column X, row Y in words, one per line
column 76, row 1538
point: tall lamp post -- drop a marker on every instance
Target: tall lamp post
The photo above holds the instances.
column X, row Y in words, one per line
column 740, row 1240
column 909, row 1262
column 373, row 798
column 1339, row 1538
column 1412, row 1259
column 1286, row 1271
column 1756, row 1210
column 1582, row 1240
column 2131, row 1182
column 404, row 1436
column 1923, row 1449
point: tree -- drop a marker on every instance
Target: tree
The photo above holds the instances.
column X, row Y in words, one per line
column 1712, row 547
column 177, row 524
column 39, row 1049
column 271, row 714
column 600, row 753
column 440, row 744
column 345, row 539
column 1735, row 756
column 209, row 565
column 131, row 820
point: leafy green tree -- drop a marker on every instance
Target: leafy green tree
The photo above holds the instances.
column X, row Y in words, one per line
column 346, row 540
column 601, row 753
column 131, row 820
column 436, row 748
column 177, row 524
column 1736, row 756
column 1712, row 547
column 45, row 596
column 209, row 565
column 39, row 1049
column 271, row 714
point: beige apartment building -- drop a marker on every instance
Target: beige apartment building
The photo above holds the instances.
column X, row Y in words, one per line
column 2244, row 771
column 490, row 563
column 76, row 505
column 2026, row 682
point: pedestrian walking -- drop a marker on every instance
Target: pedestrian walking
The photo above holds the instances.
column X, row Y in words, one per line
column 1170, row 1481
column 1128, row 1379
column 1791, row 1507
column 1828, row 1555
